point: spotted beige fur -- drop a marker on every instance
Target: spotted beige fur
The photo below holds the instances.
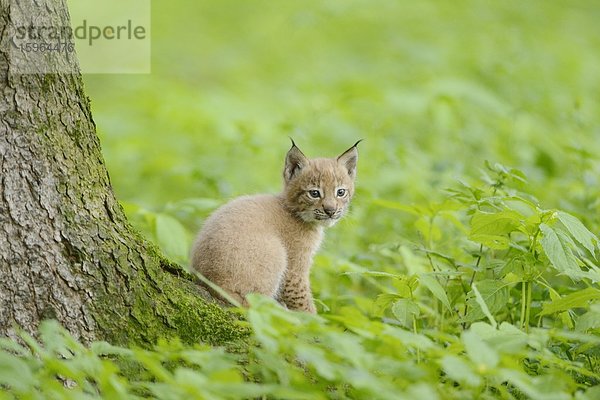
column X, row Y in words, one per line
column 266, row 243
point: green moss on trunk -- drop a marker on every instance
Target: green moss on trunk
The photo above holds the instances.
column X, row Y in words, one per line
column 165, row 301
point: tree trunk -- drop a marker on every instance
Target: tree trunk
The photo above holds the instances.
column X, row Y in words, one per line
column 66, row 249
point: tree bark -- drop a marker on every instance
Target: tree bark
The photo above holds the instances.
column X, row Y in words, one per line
column 66, row 249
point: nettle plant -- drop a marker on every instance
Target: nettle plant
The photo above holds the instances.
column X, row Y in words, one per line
column 493, row 253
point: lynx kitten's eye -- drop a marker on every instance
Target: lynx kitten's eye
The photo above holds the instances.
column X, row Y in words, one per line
column 341, row 192
column 315, row 194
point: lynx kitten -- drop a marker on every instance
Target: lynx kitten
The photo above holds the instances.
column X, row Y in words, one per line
column 265, row 243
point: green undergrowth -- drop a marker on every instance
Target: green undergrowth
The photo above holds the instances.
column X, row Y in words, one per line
column 504, row 304
column 299, row 356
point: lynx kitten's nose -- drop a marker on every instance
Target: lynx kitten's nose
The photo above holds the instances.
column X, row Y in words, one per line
column 329, row 211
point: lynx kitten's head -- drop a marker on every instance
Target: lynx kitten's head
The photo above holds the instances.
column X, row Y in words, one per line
column 319, row 190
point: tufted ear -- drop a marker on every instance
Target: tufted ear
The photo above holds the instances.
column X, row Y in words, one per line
column 295, row 160
column 349, row 158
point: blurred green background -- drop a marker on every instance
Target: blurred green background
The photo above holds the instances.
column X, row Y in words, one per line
column 436, row 89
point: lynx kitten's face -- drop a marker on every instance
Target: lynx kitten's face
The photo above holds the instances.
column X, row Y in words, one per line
column 319, row 190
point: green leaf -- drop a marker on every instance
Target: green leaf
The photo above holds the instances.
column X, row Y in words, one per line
column 479, row 351
column 422, row 390
column 502, row 170
column 591, row 393
column 494, row 295
column 460, row 371
column 376, row 274
column 405, row 285
column 431, row 283
column 578, row 299
column 586, row 238
column 382, row 303
column 588, row 321
column 316, row 357
column 405, row 310
column 557, row 247
column 105, row 349
column 482, row 304
column 15, row 373
column 11, row 346
column 492, row 230
column 536, row 387
column 506, row 339
column 172, row 237
column 564, row 316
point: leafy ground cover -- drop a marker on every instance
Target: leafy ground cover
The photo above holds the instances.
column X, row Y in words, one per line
column 468, row 267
